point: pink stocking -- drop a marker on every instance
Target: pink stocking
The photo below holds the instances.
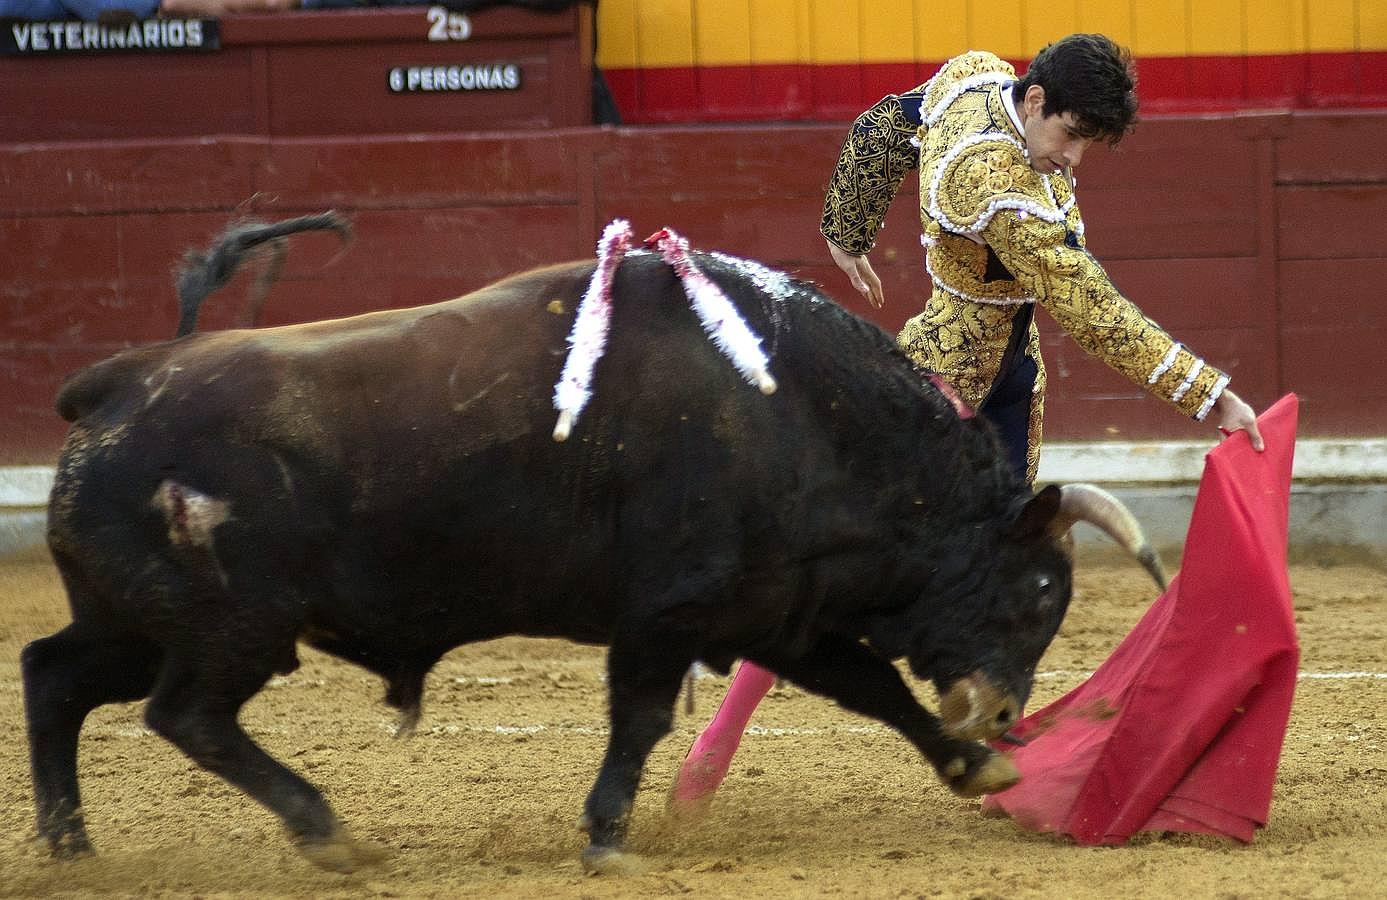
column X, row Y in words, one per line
column 709, row 758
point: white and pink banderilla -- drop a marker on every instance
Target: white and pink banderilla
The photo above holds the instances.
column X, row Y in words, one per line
column 588, row 339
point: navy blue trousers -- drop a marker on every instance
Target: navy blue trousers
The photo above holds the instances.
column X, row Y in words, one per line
column 1008, row 408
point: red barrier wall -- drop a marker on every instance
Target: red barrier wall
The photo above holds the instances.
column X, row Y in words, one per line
column 1259, row 240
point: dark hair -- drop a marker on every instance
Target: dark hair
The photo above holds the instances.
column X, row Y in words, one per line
column 1091, row 76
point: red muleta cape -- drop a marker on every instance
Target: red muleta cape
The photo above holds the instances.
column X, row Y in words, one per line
column 1181, row 728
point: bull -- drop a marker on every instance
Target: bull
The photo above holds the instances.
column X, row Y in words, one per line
column 386, row 488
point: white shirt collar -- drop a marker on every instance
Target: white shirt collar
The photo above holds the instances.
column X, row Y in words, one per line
column 1010, row 106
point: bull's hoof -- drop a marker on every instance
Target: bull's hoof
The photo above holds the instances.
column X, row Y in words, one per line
column 341, row 853
column 611, row 861
column 990, row 775
column 70, row 845
column 66, row 835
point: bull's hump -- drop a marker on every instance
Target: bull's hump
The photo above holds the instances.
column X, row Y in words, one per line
column 540, row 295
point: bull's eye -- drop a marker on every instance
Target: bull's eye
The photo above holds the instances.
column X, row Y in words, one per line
column 1044, row 590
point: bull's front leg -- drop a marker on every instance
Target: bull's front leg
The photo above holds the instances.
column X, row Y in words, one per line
column 645, row 669
column 863, row 682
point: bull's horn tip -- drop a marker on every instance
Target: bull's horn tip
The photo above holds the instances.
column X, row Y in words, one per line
column 1152, row 563
column 564, row 427
column 765, row 382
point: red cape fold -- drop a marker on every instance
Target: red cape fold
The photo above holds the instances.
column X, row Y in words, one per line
column 1181, row 728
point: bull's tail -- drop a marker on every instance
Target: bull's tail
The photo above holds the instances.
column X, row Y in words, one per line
column 202, row 273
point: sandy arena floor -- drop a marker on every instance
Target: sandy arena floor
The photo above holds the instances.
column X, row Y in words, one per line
column 483, row 800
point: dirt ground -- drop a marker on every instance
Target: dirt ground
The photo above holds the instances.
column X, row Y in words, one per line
column 482, row 802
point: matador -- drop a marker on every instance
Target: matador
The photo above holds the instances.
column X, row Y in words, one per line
column 1002, row 233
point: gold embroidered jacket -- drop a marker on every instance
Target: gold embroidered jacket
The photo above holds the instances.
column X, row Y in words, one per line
column 998, row 234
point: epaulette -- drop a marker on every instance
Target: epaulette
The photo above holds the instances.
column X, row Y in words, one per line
column 982, row 174
column 962, row 73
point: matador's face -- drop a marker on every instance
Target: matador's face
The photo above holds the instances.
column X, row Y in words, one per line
column 1054, row 143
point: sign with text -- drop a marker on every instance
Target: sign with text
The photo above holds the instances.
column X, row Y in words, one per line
column 471, row 77
column 66, row 36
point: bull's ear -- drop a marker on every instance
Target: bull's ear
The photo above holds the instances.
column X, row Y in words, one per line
column 1036, row 516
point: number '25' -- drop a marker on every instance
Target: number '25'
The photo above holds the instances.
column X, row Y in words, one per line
column 448, row 26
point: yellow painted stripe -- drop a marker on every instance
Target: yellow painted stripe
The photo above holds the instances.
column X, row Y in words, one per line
column 722, row 32
column 835, row 31
column 887, row 34
column 941, row 30
column 1046, row 21
column 1372, row 24
column 777, row 35
column 1331, row 24
column 1277, row 26
column 616, row 34
column 1159, row 29
column 664, row 33
column 1107, row 17
column 655, row 33
column 1216, row 27
column 997, row 25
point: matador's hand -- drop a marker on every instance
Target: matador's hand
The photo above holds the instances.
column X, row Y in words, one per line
column 859, row 272
column 1230, row 413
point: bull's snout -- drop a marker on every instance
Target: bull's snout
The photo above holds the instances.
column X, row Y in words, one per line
column 973, row 708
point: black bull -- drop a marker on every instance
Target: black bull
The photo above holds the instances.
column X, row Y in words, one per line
column 386, row 488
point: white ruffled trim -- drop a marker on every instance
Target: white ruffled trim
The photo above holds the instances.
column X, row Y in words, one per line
column 972, row 298
column 1021, row 206
column 1213, row 398
column 1188, row 382
column 1166, row 363
column 958, row 90
column 924, row 94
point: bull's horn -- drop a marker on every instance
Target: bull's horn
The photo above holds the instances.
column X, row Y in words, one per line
column 564, row 427
column 1090, row 503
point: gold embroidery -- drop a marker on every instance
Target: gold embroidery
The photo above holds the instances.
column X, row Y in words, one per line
column 966, row 65
column 875, row 159
column 964, row 342
column 1036, row 429
column 1075, row 290
column 998, row 183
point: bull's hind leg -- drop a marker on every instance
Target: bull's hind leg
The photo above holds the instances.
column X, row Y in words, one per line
column 861, row 681
column 195, row 705
column 645, row 669
column 66, row 676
